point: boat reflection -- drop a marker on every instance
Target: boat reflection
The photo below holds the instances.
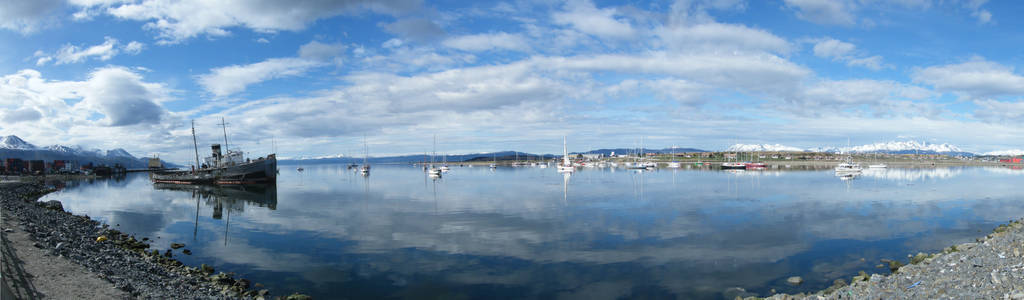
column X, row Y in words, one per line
column 232, row 196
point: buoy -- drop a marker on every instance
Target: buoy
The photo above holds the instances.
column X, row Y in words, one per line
column 101, row 238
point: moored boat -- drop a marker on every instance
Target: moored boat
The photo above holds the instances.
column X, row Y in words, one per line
column 230, row 167
column 733, row 166
column 848, row 167
column 566, row 166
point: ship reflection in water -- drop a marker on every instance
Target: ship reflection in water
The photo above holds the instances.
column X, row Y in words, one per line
column 231, row 196
column 226, row 198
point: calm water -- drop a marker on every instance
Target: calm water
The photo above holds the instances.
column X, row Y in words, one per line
column 532, row 233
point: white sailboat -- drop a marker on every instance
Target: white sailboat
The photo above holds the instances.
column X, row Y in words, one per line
column 365, row 169
column 432, row 171
column 566, row 166
column 494, row 163
column 877, row 165
column 444, row 164
column 674, row 164
column 848, row 167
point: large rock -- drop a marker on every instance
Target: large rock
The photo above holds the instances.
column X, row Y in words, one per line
column 54, row 205
column 736, row 292
column 297, row 296
column 795, row 280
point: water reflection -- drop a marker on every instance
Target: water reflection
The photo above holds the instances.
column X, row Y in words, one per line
column 507, row 233
column 912, row 174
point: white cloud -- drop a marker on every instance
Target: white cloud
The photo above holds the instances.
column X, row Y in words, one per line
column 976, row 78
column 974, row 6
column 21, row 115
column 122, row 97
column 832, row 12
column 262, row 41
column 74, row 54
column 134, row 47
column 320, row 52
column 417, row 29
column 175, row 21
column 999, row 111
column 27, row 17
column 488, row 41
column 842, row 51
column 112, row 101
column 585, row 17
column 752, row 73
column 475, row 97
column 983, row 16
column 721, row 37
column 228, row 80
column 69, row 54
column 832, row 48
column 232, row 79
column 871, row 62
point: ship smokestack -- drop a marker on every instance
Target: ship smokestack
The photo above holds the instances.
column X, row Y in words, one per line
column 216, row 150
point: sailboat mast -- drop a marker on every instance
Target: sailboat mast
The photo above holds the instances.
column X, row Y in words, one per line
column 366, row 150
column 565, row 152
column 194, row 143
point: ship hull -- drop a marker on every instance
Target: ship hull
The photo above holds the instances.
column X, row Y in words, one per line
column 260, row 171
column 183, row 177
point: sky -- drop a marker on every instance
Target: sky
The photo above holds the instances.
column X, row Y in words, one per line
column 315, row 78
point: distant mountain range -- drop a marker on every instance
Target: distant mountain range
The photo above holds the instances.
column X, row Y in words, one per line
column 332, row 159
column 893, row 147
column 1014, row 152
column 12, row 146
column 499, row 156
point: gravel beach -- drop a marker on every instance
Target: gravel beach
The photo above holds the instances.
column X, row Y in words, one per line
column 990, row 268
column 48, row 252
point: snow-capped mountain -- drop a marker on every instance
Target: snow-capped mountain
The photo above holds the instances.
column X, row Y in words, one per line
column 118, row 153
column 1014, row 152
column 893, row 147
column 763, row 148
column 904, row 146
column 75, row 150
column 14, row 147
column 825, row 149
column 313, row 157
column 16, row 143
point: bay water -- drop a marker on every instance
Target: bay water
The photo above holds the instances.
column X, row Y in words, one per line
column 532, row 232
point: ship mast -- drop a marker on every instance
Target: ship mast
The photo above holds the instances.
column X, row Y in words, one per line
column 194, row 143
column 224, row 125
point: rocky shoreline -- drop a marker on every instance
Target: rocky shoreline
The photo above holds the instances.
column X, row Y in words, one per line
column 116, row 257
column 990, row 268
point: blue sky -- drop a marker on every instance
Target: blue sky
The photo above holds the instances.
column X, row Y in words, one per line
column 317, row 76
